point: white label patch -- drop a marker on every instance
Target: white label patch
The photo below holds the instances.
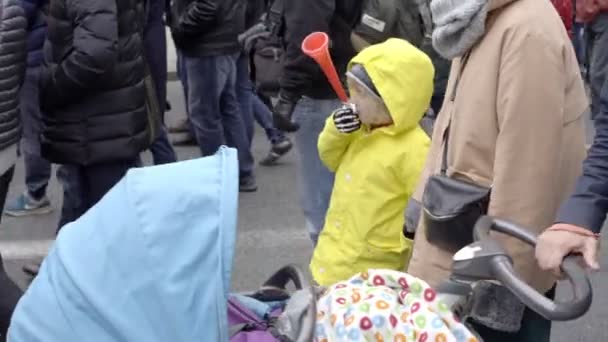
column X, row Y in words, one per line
column 372, row 22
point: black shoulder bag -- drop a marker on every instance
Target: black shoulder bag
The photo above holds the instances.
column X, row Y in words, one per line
column 269, row 52
column 451, row 207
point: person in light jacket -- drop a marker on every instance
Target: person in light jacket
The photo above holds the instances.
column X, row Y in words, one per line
column 515, row 116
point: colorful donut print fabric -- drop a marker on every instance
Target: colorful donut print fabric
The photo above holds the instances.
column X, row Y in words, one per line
column 386, row 306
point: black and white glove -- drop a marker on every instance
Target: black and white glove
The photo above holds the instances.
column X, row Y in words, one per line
column 346, row 119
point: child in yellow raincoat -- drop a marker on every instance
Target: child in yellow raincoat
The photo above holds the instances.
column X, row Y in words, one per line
column 377, row 150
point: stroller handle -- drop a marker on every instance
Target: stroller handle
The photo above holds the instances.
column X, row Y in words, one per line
column 504, row 272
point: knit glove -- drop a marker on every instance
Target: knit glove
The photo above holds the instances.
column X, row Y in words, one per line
column 346, row 119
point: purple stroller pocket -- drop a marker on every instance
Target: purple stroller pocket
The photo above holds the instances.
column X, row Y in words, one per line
column 246, row 326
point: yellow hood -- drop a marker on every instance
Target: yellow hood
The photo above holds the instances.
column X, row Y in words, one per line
column 403, row 75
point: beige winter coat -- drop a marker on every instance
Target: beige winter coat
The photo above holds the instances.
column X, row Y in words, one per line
column 516, row 125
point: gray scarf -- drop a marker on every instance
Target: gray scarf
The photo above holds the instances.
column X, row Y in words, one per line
column 458, row 25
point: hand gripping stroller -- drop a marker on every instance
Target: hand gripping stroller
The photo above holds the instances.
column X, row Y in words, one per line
column 486, row 259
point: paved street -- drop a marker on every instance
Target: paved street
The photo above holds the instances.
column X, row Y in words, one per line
column 271, row 233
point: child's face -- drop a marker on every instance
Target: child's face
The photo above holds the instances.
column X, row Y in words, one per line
column 371, row 109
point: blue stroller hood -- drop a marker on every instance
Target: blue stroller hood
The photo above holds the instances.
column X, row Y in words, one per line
column 150, row 262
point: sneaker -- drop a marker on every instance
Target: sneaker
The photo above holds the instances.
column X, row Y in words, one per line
column 282, row 147
column 25, row 205
column 247, row 184
column 277, row 150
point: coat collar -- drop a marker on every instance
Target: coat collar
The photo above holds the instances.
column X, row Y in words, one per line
column 496, row 4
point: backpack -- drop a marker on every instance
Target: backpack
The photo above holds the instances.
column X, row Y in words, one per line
column 383, row 19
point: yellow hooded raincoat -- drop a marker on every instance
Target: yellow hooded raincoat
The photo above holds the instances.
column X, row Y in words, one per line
column 376, row 171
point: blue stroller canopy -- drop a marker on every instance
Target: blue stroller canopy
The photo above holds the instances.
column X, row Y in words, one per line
column 151, row 261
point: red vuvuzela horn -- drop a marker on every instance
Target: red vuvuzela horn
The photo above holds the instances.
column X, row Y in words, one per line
column 316, row 45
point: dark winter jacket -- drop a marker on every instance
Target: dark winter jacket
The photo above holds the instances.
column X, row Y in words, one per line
column 588, row 206
column 13, row 35
column 301, row 75
column 207, row 27
column 36, row 29
column 92, row 90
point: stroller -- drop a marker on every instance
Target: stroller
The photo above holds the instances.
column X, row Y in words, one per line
column 483, row 260
column 152, row 261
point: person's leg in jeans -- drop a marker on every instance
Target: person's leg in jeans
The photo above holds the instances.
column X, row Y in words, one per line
column 280, row 144
column 9, row 292
column 84, row 186
column 598, row 59
column 235, row 131
column 316, row 181
column 214, row 109
column 101, row 178
column 71, row 178
column 204, row 103
column 183, row 76
column 263, row 116
column 155, row 42
column 184, row 126
column 244, row 94
column 162, row 150
column 37, row 169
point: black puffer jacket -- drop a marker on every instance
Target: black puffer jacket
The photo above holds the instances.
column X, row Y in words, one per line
column 13, row 35
column 92, row 89
column 207, row 27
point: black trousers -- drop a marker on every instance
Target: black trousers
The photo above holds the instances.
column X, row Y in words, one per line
column 84, row 186
column 9, row 292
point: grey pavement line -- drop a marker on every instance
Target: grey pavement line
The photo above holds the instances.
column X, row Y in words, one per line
column 260, row 239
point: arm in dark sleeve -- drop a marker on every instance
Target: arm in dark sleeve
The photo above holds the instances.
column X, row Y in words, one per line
column 588, row 206
column 301, row 19
column 199, row 16
column 94, row 51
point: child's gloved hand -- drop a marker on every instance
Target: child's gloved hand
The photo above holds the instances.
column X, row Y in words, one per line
column 346, row 119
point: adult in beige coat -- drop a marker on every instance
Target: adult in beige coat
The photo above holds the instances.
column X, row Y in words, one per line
column 515, row 119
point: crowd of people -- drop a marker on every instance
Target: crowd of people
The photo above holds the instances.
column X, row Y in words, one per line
column 501, row 81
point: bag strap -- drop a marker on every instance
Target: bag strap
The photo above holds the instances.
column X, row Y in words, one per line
column 446, row 135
